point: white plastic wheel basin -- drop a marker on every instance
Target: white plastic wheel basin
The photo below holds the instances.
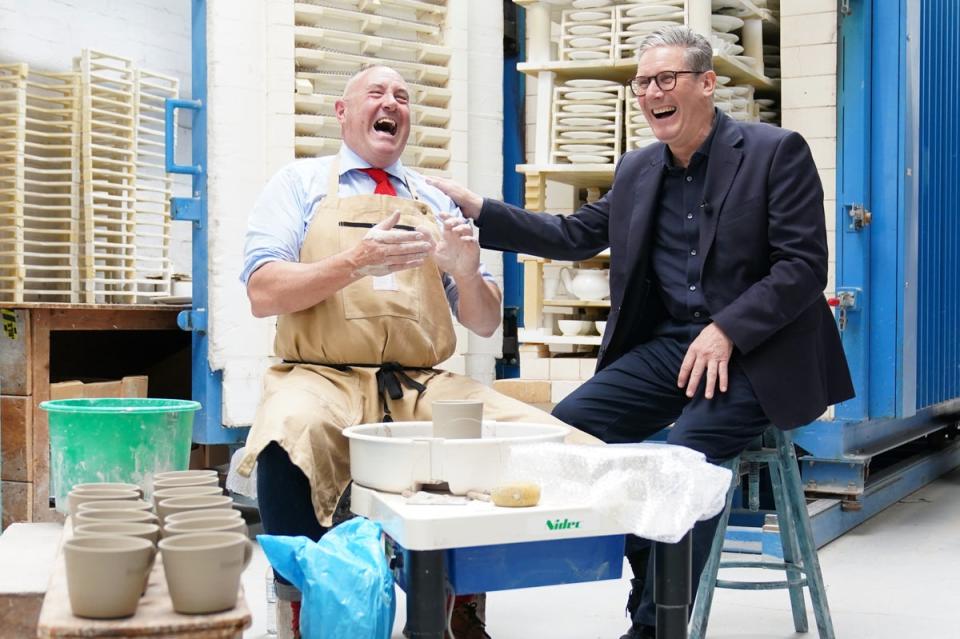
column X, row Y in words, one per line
column 398, row 456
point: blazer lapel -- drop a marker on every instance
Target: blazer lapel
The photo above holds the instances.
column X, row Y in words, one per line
column 725, row 159
column 646, row 189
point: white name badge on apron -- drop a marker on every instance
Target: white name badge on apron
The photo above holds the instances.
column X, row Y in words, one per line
column 385, row 283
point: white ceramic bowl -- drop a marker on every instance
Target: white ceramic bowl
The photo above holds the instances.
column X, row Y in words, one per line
column 574, row 327
column 403, row 455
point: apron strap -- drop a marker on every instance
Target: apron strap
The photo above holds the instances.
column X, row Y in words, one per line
column 391, row 378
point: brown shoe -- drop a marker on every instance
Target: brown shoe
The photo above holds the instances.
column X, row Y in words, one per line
column 469, row 618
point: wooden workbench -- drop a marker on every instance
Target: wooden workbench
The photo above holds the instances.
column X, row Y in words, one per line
column 26, row 331
column 154, row 618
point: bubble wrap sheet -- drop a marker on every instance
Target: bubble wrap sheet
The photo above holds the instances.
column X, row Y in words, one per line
column 655, row 491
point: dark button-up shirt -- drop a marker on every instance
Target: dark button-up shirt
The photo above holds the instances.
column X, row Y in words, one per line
column 676, row 258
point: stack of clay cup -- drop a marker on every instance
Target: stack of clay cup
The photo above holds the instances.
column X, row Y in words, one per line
column 202, row 541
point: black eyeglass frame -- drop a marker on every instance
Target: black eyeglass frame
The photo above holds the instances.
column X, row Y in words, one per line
column 633, row 84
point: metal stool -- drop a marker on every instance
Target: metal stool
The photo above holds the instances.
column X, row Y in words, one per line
column 777, row 453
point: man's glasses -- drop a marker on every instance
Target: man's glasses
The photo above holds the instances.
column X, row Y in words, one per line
column 666, row 80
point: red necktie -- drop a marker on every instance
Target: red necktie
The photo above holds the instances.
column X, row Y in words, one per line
column 383, row 181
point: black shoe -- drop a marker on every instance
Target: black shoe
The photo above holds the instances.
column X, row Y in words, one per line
column 640, row 631
column 633, row 599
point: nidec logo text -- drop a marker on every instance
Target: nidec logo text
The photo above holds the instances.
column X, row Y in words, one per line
column 566, row 524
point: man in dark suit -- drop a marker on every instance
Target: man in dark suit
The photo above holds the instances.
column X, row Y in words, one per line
column 718, row 262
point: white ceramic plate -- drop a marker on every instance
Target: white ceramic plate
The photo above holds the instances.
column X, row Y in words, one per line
column 640, row 119
column 589, row 95
column 588, row 108
column 723, row 79
column 588, row 16
column 588, row 55
column 587, row 29
column 647, row 26
column 725, row 24
column 587, row 42
column 732, row 38
column 587, row 158
column 732, row 49
column 746, row 59
column 639, row 143
column 585, row 135
column 589, row 4
column 740, row 91
column 766, row 102
column 584, row 148
column 722, row 93
column 589, row 83
column 652, row 10
column 585, row 122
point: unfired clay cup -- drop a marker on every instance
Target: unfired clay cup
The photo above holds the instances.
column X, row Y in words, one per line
column 176, row 482
column 107, row 485
column 211, row 523
column 119, row 504
column 105, row 575
column 185, row 491
column 203, row 570
column 181, row 504
column 77, row 497
column 150, row 532
column 179, row 474
column 110, row 516
column 457, row 418
column 187, row 515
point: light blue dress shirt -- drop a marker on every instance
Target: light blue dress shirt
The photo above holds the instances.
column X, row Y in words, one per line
column 279, row 220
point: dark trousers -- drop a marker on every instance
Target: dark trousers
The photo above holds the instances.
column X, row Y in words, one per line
column 637, row 396
column 283, row 494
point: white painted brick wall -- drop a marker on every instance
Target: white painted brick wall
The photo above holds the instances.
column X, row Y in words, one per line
column 808, row 60
column 155, row 34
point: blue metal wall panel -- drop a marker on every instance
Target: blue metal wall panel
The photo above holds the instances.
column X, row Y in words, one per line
column 938, row 356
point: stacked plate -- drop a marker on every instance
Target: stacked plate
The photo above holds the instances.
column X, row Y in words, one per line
column 636, row 21
column 735, row 100
column 587, row 122
column 587, row 34
column 639, row 133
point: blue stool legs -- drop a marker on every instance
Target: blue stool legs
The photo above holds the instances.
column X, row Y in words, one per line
column 800, row 563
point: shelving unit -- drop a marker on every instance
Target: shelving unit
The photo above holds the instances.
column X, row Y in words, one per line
column 552, row 32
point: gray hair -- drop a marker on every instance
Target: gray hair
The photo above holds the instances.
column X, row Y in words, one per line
column 698, row 52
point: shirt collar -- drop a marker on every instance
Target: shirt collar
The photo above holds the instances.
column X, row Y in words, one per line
column 350, row 161
column 704, row 149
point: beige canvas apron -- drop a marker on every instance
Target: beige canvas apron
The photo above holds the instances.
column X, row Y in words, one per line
column 333, row 351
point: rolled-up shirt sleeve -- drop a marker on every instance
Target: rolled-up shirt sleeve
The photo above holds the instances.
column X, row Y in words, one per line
column 276, row 227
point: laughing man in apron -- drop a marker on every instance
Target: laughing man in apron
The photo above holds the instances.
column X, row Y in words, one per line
column 362, row 262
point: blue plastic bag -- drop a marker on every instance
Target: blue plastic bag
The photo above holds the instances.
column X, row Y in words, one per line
column 346, row 584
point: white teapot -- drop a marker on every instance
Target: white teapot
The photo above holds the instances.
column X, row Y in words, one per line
column 587, row 283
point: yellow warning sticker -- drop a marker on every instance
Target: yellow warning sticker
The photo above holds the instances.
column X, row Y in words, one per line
column 9, row 319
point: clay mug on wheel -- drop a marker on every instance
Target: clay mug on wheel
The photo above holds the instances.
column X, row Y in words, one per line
column 457, row 418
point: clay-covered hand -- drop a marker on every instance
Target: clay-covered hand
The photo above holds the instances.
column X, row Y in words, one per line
column 468, row 201
column 709, row 352
column 385, row 250
column 458, row 252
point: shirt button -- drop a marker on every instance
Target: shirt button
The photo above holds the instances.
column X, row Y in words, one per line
column 689, row 216
column 689, row 178
column 693, row 251
column 696, row 313
column 693, row 287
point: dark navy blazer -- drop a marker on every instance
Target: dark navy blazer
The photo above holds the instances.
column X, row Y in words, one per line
column 764, row 246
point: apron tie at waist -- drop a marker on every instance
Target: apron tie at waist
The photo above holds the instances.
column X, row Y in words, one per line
column 391, row 377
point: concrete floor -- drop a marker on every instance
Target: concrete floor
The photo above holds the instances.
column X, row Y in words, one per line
column 895, row 576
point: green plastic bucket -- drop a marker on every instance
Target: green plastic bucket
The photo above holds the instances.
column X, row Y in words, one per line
column 116, row 439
